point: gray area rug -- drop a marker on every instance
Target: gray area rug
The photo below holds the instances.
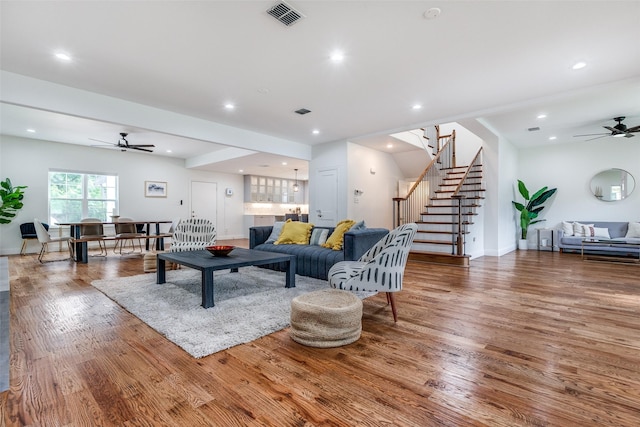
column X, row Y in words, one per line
column 248, row 305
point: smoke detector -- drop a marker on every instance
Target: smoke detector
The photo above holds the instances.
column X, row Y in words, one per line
column 285, row 13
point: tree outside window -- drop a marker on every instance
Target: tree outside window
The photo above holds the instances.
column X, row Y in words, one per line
column 73, row 196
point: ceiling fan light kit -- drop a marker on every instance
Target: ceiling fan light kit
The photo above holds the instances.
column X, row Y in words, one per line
column 618, row 131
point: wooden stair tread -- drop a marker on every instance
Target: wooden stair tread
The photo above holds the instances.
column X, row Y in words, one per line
column 437, row 232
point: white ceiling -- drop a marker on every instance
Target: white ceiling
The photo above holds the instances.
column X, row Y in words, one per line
column 501, row 61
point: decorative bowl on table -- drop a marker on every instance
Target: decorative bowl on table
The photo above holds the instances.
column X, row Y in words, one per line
column 219, row 250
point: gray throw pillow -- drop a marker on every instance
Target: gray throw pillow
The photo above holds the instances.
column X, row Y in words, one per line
column 318, row 236
column 275, row 233
column 358, row 226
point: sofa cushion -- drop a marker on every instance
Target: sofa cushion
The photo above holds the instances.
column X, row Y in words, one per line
column 634, row 230
column 311, row 261
column 294, row 232
column 337, row 237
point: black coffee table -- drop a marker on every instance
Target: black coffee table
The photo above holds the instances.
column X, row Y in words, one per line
column 207, row 264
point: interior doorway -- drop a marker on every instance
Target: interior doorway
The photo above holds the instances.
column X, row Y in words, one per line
column 204, row 201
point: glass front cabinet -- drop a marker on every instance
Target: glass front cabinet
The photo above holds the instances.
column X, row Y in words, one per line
column 263, row 189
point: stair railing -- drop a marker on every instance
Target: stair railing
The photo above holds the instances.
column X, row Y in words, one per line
column 408, row 209
column 462, row 220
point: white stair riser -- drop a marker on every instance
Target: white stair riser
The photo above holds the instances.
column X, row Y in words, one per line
column 426, row 247
column 438, row 237
column 435, row 227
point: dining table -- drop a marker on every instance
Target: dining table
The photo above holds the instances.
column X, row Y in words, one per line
column 80, row 252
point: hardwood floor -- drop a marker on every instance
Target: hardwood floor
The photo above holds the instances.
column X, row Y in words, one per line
column 527, row 339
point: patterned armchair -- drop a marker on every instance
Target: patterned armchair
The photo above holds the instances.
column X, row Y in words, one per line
column 380, row 268
column 193, row 234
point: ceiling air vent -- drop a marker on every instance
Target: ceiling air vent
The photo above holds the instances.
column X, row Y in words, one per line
column 303, row 111
column 533, row 129
column 285, row 13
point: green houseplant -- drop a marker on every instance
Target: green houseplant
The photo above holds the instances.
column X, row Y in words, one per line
column 531, row 207
column 11, row 200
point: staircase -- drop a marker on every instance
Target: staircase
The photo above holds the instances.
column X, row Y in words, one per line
column 445, row 216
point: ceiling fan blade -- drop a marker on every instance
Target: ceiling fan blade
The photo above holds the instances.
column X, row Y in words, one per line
column 591, row 134
column 634, row 129
column 140, row 145
column 104, row 142
column 613, row 130
column 597, row 137
column 136, row 147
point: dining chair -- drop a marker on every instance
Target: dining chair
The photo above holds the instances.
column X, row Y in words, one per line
column 126, row 231
column 380, row 269
column 45, row 238
column 28, row 232
column 91, row 229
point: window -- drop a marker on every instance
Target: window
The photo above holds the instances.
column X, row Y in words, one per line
column 73, row 196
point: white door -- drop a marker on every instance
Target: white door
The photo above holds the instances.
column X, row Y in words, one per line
column 204, row 197
column 326, row 199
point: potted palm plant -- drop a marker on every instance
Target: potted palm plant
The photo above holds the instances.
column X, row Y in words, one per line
column 530, row 209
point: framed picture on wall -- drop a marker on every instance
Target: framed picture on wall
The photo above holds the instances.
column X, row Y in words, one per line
column 155, row 189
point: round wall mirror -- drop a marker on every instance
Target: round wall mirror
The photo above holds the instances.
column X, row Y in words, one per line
column 612, row 185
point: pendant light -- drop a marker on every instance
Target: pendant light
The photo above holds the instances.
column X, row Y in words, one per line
column 296, row 187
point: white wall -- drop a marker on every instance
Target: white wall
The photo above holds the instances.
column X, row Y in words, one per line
column 375, row 205
column 570, row 167
column 27, row 162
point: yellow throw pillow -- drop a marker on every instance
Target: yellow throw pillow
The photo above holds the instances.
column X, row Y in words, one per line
column 337, row 237
column 294, row 233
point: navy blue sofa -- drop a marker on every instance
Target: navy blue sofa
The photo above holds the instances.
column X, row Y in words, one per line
column 315, row 261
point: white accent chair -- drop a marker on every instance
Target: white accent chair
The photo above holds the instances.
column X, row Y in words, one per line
column 193, row 234
column 380, row 269
column 45, row 238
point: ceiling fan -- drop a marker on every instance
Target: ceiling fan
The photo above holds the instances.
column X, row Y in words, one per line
column 617, row 131
column 124, row 145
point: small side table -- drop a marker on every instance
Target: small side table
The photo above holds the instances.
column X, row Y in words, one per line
column 543, row 242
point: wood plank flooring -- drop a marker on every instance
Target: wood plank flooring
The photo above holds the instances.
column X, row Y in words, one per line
column 527, row 339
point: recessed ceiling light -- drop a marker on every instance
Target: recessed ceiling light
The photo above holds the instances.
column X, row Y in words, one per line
column 240, row 170
column 284, row 163
column 542, row 116
column 389, row 145
column 31, row 130
column 229, row 106
column 579, row 65
column 337, row 56
column 416, row 107
column 169, row 151
column 551, row 138
column 63, row 56
column 315, row 131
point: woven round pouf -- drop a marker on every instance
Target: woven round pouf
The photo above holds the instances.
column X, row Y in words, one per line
column 326, row 318
column 149, row 264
